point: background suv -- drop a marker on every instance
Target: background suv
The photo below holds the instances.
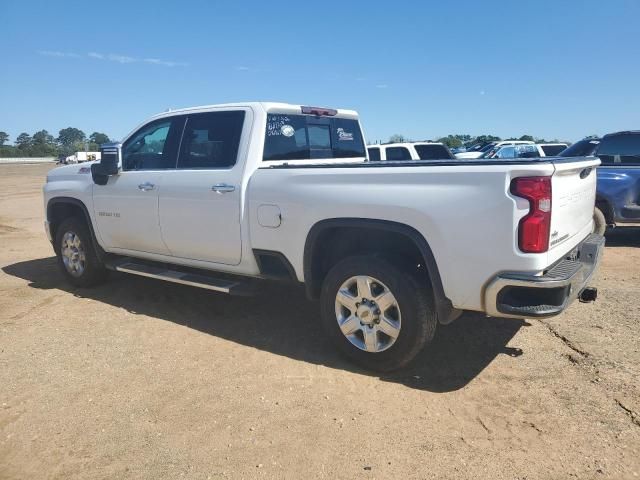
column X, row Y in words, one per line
column 618, row 191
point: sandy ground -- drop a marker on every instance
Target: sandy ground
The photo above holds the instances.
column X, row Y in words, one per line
column 142, row 379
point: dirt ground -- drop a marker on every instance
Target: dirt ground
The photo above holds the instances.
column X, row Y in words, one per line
column 143, row 379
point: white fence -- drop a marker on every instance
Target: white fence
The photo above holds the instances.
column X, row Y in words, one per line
column 28, row 160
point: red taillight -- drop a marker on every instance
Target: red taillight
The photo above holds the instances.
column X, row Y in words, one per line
column 534, row 227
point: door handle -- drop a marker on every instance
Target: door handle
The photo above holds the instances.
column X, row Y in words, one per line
column 221, row 188
column 146, row 186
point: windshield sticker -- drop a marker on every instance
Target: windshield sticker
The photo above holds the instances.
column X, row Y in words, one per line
column 344, row 136
column 287, row 130
column 275, row 124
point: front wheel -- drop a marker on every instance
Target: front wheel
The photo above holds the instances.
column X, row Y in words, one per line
column 377, row 313
column 77, row 257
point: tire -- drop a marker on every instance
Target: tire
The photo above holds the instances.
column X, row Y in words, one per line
column 599, row 221
column 74, row 248
column 412, row 319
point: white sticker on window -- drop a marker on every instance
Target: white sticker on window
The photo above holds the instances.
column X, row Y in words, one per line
column 275, row 123
column 287, row 130
column 344, row 136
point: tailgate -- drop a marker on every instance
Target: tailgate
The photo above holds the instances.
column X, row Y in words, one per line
column 573, row 190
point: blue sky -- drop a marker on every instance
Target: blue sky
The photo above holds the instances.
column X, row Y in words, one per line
column 557, row 69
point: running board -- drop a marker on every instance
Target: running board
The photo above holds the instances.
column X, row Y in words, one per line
column 185, row 278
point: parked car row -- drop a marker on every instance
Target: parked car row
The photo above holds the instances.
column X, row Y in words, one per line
column 618, row 186
column 530, row 150
column 477, row 153
column 439, row 151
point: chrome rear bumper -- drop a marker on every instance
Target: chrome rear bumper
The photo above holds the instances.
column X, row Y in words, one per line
column 518, row 295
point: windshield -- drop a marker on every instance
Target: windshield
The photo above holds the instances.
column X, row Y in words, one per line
column 583, row 148
column 488, row 147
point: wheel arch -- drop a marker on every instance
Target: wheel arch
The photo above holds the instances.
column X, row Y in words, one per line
column 316, row 259
column 606, row 208
column 61, row 208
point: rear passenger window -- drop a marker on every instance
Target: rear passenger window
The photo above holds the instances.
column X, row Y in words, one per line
column 552, row 150
column 211, row 140
column 620, row 149
column 305, row 137
column 398, row 153
column 433, row 152
column 374, row 154
column 526, row 151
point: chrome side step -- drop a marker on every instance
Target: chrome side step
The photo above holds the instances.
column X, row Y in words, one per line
column 192, row 279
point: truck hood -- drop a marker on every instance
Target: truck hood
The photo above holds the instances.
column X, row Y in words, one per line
column 71, row 172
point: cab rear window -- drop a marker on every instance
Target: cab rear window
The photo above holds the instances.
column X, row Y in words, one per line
column 433, row 152
column 308, row 137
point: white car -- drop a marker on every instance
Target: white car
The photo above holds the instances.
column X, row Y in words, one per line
column 224, row 197
column 409, row 151
column 525, row 151
column 490, row 146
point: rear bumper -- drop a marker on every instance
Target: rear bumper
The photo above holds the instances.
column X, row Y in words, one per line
column 518, row 295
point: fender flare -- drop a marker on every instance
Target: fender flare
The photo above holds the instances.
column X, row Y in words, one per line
column 446, row 311
column 78, row 203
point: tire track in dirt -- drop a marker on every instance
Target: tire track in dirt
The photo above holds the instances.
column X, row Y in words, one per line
column 43, row 303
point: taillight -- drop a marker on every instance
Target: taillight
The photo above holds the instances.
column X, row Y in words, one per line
column 534, row 227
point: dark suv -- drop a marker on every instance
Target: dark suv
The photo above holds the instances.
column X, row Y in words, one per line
column 618, row 194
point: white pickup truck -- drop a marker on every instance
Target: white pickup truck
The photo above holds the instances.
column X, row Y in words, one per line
column 225, row 196
column 409, row 151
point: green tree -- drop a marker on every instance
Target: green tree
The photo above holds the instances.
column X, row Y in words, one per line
column 99, row 138
column 527, row 138
column 397, row 138
column 96, row 139
column 4, row 137
column 43, row 144
column 69, row 138
column 23, row 142
column 451, row 141
column 484, row 139
column 43, row 138
column 9, row 151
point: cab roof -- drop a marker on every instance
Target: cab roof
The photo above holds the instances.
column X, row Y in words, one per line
column 269, row 107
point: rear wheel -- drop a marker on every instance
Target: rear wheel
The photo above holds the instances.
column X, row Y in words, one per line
column 76, row 254
column 599, row 221
column 377, row 313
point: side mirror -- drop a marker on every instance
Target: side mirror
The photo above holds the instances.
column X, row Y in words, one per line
column 109, row 161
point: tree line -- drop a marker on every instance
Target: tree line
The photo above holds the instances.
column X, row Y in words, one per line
column 43, row 144
column 458, row 140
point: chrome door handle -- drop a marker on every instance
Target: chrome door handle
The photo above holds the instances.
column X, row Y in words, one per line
column 221, row 188
column 146, row 186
